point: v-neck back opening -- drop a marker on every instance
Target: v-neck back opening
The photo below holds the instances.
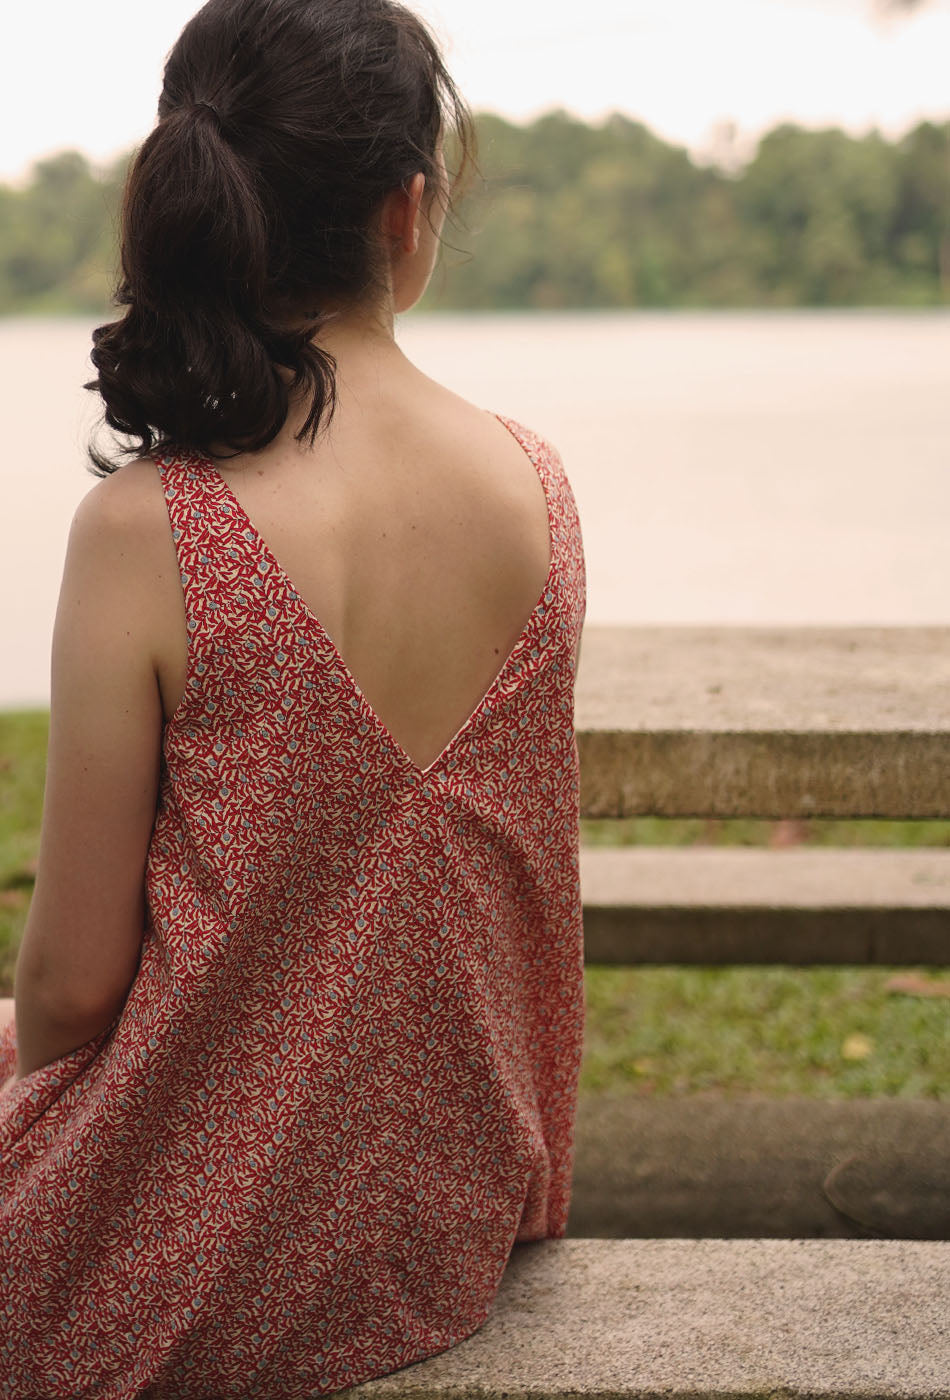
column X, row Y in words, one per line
column 276, row 570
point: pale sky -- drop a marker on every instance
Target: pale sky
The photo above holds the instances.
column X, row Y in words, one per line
column 88, row 75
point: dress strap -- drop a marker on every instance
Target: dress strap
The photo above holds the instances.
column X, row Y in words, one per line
column 201, row 531
column 567, row 544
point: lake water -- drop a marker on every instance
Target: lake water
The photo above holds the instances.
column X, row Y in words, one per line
column 729, row 467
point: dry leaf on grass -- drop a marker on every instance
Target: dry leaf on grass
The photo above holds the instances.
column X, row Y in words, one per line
column 857, row 1047
column 911, row 984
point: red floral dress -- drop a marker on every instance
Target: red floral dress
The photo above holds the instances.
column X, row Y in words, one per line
column 344, row 1081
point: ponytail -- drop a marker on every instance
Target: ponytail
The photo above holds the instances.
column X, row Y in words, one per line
column 196, row 360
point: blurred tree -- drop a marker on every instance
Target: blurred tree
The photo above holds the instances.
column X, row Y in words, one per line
column 565, row 214
column 920, row 231
column 57, row 237
column 892, row 7
column 816, row 218
column 825, row 202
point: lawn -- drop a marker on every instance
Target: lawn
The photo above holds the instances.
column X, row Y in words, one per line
column 824, row 1032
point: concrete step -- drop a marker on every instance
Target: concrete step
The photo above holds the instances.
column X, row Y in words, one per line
column 735, row 721
column 690, row 1319
column 655, row 904
column 752, row 1167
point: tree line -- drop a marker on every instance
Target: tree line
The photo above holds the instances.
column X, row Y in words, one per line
column 568, row 214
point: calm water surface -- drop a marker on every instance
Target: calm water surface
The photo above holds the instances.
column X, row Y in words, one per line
column 764, row 467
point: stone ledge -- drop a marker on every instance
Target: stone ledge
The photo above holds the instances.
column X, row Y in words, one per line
column 690, row 1319
column 744, row 905
column 710, row 1165
column 764, row 721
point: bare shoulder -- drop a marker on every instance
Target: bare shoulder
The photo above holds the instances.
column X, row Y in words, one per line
column 126, row 508
column 122, row 523
column 129, row 498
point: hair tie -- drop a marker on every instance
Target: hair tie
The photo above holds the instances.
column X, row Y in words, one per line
column 210, row 106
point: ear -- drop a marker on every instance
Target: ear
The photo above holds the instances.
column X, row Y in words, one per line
column 401, row 213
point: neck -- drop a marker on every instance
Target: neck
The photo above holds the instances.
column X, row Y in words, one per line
column 358, row 331
column 367, row 360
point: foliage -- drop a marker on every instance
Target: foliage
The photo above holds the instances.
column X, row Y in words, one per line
column 572, row 215
column 58, row 236
column 23, row 743
column 569, row 214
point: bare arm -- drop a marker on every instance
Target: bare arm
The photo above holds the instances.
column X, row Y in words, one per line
column 82, row 941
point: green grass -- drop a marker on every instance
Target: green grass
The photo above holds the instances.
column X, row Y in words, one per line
column 23, row 738
column 826, row 1032
column 747, row 831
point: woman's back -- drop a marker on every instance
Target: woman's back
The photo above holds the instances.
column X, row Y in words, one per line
column 416, row 530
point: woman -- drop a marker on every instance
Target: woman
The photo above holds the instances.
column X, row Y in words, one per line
column 299, row 1003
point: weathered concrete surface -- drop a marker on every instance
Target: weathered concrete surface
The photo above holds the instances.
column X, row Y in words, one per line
column 765, row 721
column 654, row 904
column 754, row 1167
column 684, row 1319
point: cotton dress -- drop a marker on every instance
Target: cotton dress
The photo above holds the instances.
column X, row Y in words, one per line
column 343, row 1084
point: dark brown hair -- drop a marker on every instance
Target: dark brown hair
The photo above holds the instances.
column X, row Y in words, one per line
column 282, row 125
